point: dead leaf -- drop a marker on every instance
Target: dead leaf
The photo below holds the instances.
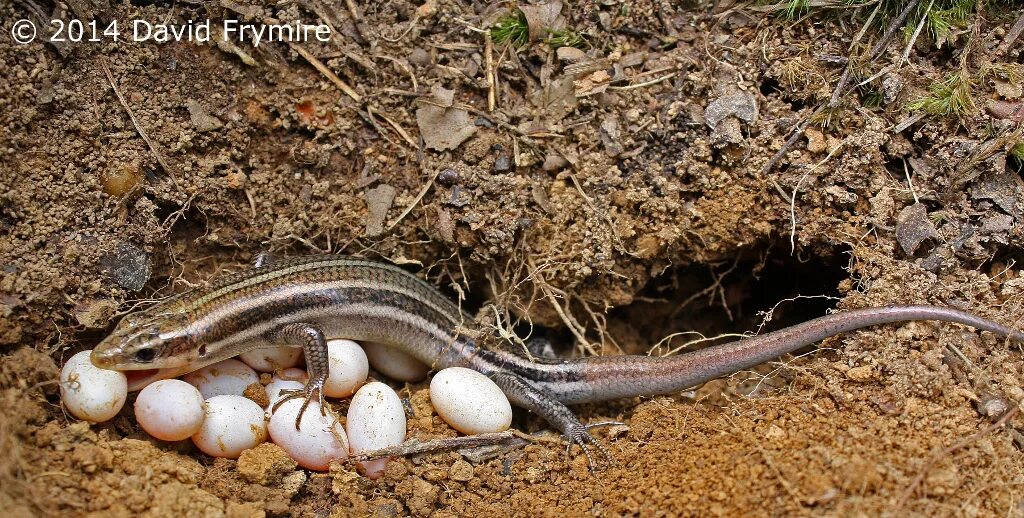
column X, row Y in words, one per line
column 442, row 126
column 378, row 202
column 556, row 100
column 543, row 18
column 739, row 104
column 1008, row 90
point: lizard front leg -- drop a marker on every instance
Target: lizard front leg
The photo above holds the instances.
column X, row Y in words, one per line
column 315, row 346
column 525, row 394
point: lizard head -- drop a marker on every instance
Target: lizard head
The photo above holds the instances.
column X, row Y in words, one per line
column 155, row 338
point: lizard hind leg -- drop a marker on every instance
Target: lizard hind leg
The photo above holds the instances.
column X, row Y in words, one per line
column 315, row 347
column 525, row 394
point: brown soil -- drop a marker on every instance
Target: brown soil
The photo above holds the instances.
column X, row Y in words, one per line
column 623, row 205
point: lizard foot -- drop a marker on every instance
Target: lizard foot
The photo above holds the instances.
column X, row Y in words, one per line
column 580, row 435
column 315, row 388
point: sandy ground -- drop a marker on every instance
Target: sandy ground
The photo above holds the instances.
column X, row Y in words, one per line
column 623, row 182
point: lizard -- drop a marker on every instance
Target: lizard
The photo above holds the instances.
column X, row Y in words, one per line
column 304, row 301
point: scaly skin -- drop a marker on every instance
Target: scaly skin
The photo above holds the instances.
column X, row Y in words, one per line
column 302, row 301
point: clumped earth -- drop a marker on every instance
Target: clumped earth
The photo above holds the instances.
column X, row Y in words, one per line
column 601, row 197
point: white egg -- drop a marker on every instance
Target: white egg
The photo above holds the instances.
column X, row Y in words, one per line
column 288, row 379
column 469, row 401
column 376, row 419
column 348, row 368
column 232, row 425
column 393, row 363
column 226, row 377
column 89, row 392
column 319, row 439
column 170, row 410
column 270, row 359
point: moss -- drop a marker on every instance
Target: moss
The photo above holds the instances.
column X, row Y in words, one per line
column 565, row 38
column 511, row 29
column 951, row 96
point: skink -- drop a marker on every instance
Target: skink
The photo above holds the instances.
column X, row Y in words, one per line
column 304, row 301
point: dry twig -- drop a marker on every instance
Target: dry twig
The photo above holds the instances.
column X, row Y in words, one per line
column 135, row 122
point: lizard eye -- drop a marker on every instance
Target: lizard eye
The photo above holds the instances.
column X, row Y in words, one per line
column 145, row 355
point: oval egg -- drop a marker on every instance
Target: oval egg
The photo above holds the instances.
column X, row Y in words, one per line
column 89, row 392
column 393, row 363
column 229, row 377
column 348, row 368
column 288, row 379
column 469, row 401
column 318, row 441
column 270, row 359
column 232, row 425
column 376, row 419
column 170, row 410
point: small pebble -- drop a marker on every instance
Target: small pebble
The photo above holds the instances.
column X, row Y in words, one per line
column 469, row 401
column 89, row 392
column 348, row 368
column 121, row 179
column 319, row 439
column 288, row 379
column 229, row 377
column 461, row 471
column 376, row 419
column 448, row 177
column 170, row 410
column 271, row 359
column 232, row 425
column 394, row 364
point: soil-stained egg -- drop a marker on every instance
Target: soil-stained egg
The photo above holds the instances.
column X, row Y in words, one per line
column 89, row 392
column 232, row 425
column 226, row 377
column 270, row 359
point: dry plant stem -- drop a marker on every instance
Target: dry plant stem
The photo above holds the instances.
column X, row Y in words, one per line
column 419, row 197
column 1011, row 37
column 135, row 122
column 492, row 97
column 398, row 129
column 331, row 76
column 913, row 39
column 876, row 50
column 797, row 132
column 357, row 18
column 644, row 84
column 416, row 447
column 968, row 170
column 966, row 441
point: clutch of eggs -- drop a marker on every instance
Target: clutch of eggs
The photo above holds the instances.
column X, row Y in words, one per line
column 208, row 405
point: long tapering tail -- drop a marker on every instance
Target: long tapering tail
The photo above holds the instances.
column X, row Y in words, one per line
column 612, row 377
